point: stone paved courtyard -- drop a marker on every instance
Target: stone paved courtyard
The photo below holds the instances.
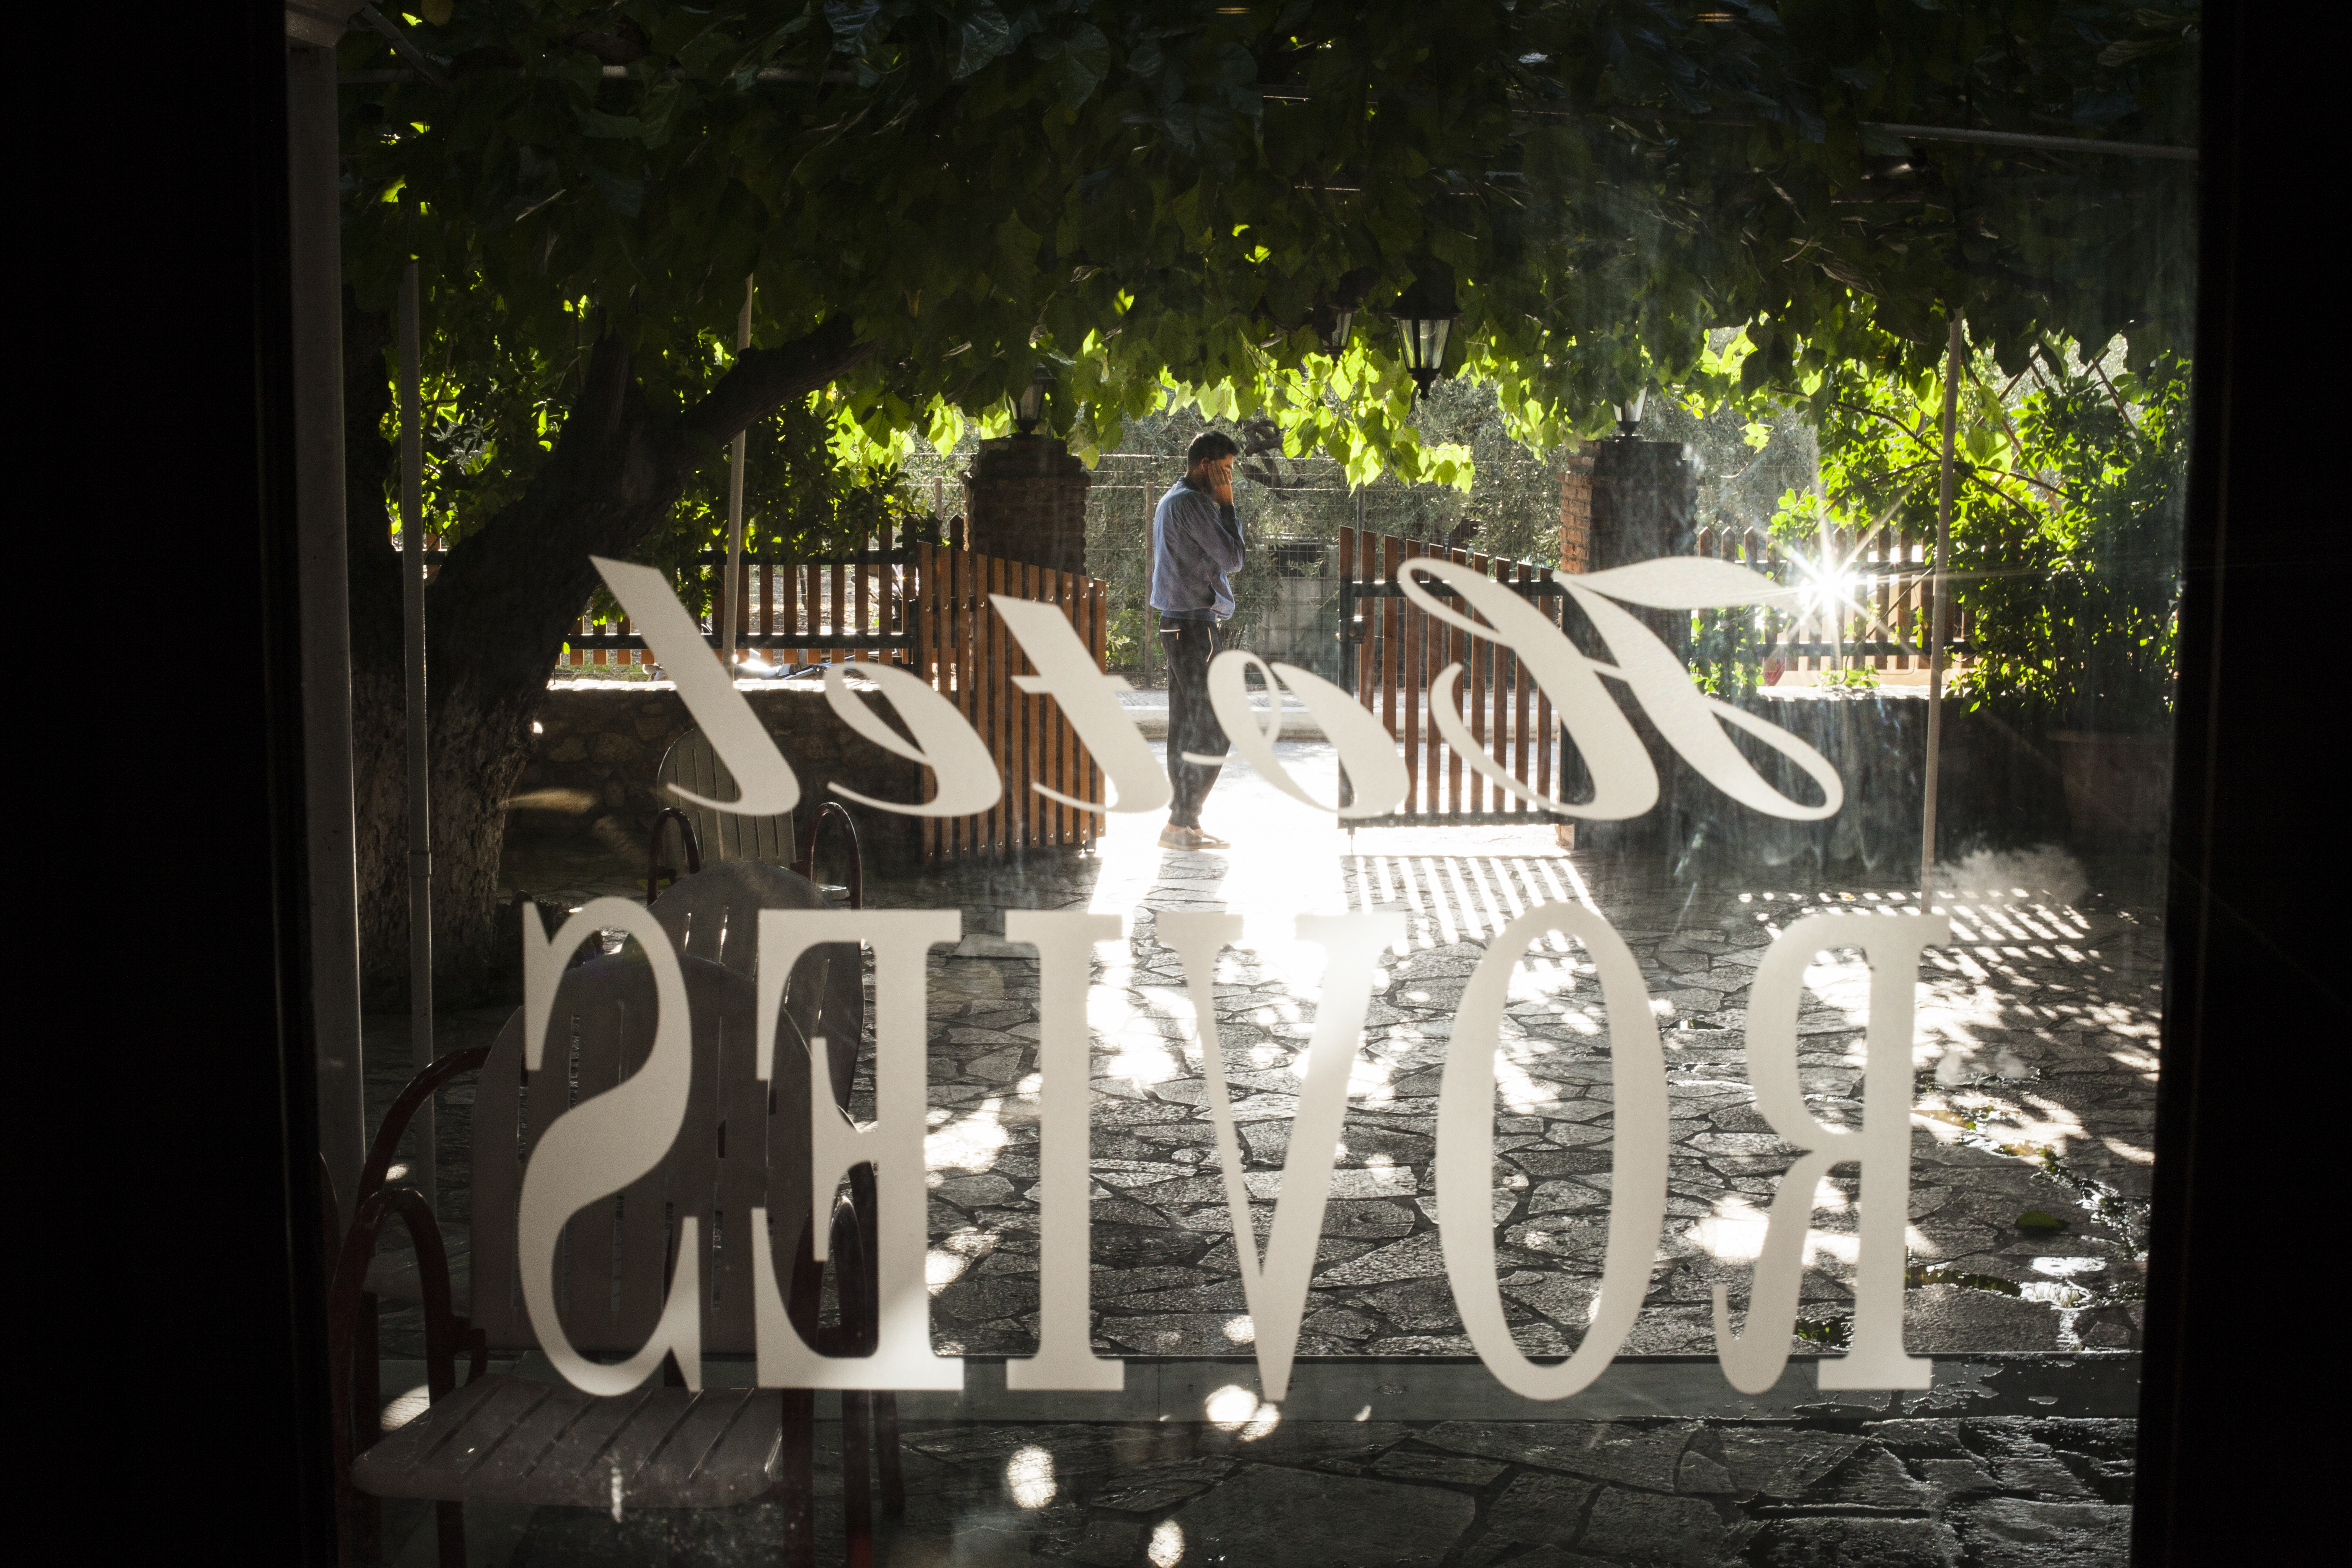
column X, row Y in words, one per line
column 2034, row 1069
column 2036, row 1064
column 1999, row 1493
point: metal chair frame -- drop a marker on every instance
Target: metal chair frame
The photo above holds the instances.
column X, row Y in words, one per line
column 656, row 868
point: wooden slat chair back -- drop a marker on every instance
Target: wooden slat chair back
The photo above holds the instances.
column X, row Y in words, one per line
column 615, row 1256
column 691, row 764
column 714, row 915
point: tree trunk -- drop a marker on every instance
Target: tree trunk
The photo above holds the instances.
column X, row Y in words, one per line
column 495, row 618
column 379, row 679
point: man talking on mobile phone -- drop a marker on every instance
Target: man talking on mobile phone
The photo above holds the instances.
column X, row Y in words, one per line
column 1196, row 545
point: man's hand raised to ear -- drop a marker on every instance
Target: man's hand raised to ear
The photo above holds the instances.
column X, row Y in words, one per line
column 1217, row 478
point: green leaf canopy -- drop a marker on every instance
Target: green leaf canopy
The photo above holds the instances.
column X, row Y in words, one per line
column 1170, row 200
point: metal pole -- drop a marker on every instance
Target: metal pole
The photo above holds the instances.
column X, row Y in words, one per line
column 425, row 1160
column 323, row 572
column 1939, row 618
column 1149, row 637
column 1348, row 672
column 1832, row 602
column 732, row 586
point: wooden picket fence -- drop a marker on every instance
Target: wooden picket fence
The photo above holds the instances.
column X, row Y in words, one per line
column 847, row 607
column 1884, row 575
column 926, row 607
column 1393, row 651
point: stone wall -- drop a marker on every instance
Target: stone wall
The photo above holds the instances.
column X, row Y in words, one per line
column 1998, row 790
column 601, row 743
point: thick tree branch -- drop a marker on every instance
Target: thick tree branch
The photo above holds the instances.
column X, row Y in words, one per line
column 765, row 379
column 496, row 615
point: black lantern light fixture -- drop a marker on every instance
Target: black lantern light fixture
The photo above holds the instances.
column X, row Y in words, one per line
column 1425, row 313
column 1334, row 314
column 1424, row 344
column 1029, row 408
column 1337, row 322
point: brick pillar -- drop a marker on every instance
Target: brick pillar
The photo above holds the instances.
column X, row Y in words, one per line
column 1575, row 513
column 1025, row 498
column 1644, row 501
column 1623, row 500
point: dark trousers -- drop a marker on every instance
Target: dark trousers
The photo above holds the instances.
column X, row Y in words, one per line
column 1191, row 724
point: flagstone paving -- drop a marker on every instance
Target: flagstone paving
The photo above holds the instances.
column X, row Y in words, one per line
column 2000, row 1492
column 2035, row 1066
column 2035, row 1074
column 2042, row 1113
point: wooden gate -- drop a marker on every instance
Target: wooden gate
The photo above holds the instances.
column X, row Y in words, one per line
column 1878, row 613
column 1396, row 650
column 1877, row 616
column 923, row 607
column 788, row 611
column 965, row 650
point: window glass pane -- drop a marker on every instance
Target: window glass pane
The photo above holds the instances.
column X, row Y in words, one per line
column 1435, row 833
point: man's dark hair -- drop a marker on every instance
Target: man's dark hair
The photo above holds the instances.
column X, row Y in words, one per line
column 1208, row 447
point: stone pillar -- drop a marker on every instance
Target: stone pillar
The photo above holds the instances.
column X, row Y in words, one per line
column 1025, row 500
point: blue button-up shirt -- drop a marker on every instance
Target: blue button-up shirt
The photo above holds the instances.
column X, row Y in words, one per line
column 1194, row 543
